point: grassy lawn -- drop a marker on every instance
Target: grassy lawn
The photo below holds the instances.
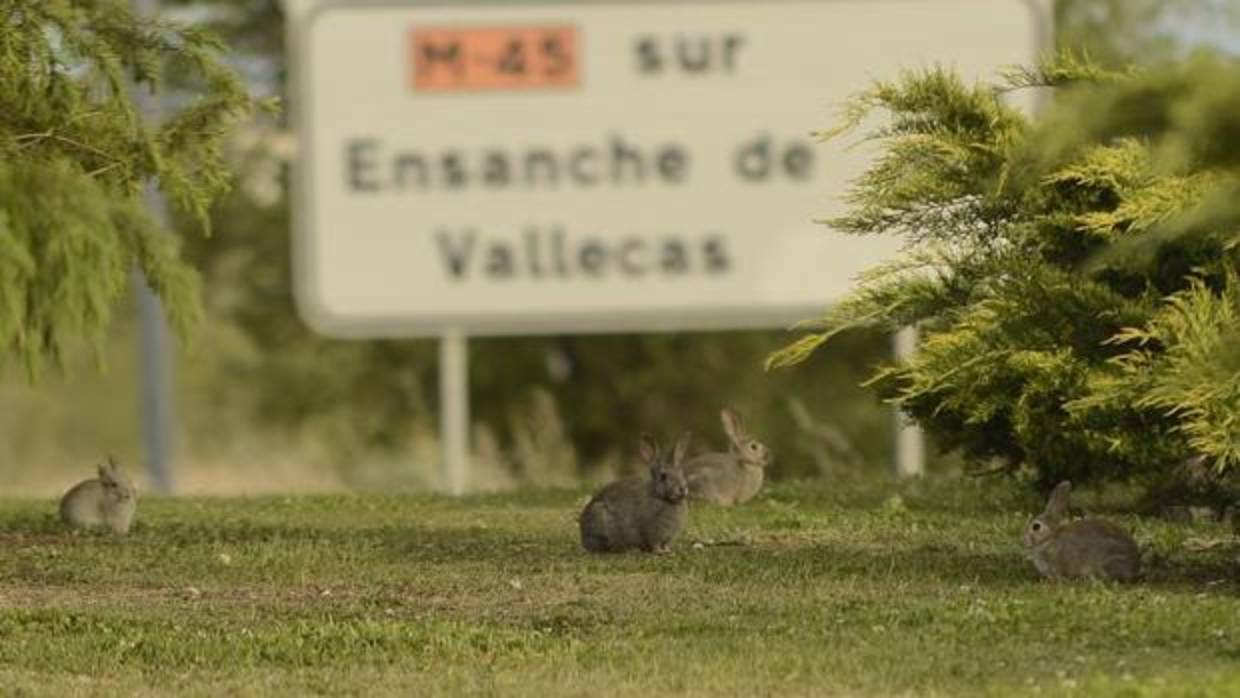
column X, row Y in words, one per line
column 809, row 590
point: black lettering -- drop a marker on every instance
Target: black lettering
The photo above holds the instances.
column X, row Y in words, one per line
column 674, row 258
column 753, row 160
column 415, row 163
column 592, row 257
column 672, row 163
column 356, row 153
column 495, row 170
column 558, row 60
column 732, row 44
column 549, row 252
column 580, row 165
column 632, row 257
column 648, row 60
column 559, row 259
column 449, row 53
column 715, row 252
column 499, row 261
column 622, row 153
column 694, row 54
column 544, row 160
column 614, row 162
column 456, row 256
column 799, row 161
column 533, row 248
column 512, row 61
column 454, row 175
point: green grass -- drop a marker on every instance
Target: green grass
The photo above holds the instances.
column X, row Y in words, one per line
column 810, row 590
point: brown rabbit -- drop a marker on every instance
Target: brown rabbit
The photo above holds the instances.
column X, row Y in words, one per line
column 733, row 477
column 1086, row 547
column 106, row 501
column 640, row 512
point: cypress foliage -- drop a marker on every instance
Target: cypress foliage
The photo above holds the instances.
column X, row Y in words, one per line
column 75, row 156
column 1074, row 277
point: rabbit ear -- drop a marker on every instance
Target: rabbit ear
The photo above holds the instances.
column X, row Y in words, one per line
column 104, row 472
column 682, row 448
column 648, row 449
column 732, row 424
column 1057, row 506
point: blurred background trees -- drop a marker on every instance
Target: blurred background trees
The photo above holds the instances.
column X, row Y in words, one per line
column 262, row 398
column 1115, row 33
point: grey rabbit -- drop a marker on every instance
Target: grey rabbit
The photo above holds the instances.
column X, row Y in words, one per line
column 1086, row 547
column 109, row 500
column 733, row 477
column 640, row 512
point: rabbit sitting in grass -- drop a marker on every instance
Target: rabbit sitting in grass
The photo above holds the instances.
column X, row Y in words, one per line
column 733, row 477
column 640, row 512
column 1086, row 547
column 108, row 500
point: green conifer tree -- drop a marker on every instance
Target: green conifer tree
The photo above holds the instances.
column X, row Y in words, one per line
column 75, row 156
column 1076, row 277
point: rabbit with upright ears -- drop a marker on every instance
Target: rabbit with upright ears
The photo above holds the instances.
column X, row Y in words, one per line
column 733, row 477
column 640, row 512
column 1086, row 547
column 109, row 500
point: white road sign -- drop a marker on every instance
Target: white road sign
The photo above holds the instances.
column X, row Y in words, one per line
column 503, row 167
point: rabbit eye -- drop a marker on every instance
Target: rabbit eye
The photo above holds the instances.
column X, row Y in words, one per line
column 1037, row 526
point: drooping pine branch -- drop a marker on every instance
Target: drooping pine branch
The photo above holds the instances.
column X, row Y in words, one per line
column 76, row 156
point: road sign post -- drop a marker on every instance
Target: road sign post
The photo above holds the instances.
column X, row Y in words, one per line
column 910, row 451
column 155, row 365
column 454, row 409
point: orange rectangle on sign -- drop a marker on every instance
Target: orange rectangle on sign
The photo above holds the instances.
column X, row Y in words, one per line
column 494, row 58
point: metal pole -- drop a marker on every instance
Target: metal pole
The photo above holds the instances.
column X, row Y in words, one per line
column 454, row 409
column 910, row 441
column 156, row 386
column 154, row 366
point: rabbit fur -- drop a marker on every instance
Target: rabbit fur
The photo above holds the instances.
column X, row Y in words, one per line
column 733, row 477
column 640, row 512
column 1086, row 547
column 108, row 501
